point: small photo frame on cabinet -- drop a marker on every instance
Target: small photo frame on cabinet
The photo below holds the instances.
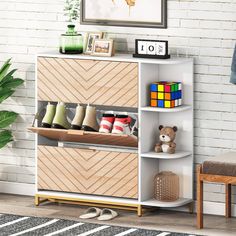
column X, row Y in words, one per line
column 103, row 47
column 90, row 41
column 157, row 49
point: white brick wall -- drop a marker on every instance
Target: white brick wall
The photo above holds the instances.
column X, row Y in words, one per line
column 203, row 29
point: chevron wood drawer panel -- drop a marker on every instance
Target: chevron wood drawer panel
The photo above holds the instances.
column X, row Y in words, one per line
column 88, row 81
column 88, row 171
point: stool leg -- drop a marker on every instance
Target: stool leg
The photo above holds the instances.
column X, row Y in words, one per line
column 199, row 199
column 191, row 207
column 228, row 200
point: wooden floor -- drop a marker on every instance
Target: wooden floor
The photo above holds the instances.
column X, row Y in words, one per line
column 162, row 220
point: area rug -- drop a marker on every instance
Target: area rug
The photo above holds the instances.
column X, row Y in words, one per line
column 29, row 226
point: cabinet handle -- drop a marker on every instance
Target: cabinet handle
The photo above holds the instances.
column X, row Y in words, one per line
column 88, row 150
column 75, row 132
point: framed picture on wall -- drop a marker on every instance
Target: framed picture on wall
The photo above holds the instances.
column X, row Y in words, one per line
column 132, row 13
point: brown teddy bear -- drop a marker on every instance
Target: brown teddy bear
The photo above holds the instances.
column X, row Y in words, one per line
column 167, row 137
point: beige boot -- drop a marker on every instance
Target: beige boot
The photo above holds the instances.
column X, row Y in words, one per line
column 49, row 115
column 60, row 119
column 90, row 120
column 78, row 119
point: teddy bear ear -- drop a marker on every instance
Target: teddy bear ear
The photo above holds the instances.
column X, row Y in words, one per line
column 175, row 128
column 161, row 127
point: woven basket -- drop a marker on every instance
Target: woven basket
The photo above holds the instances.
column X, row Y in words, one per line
column 166, row 186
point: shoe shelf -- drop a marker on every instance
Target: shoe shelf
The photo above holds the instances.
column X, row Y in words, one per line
column 87, row 137
column 177, row 203
column 158, row 109
column 176, row 155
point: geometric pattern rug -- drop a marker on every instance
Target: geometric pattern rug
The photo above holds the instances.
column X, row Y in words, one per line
column 37, row 226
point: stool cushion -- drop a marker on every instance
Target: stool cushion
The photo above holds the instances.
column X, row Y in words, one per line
column 224, row 164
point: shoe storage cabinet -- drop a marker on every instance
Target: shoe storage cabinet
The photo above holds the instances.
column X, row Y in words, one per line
column 89, row 168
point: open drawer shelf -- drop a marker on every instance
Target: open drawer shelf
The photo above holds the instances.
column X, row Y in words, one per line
column 86, row 137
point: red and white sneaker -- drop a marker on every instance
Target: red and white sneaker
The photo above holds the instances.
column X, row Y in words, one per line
column 122, row 125
column 106, row 123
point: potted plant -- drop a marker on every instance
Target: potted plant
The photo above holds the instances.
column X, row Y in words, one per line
column 71, row 42
column 8, row 84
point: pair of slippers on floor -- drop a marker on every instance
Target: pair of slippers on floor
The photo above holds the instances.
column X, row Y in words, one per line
column 105, row 214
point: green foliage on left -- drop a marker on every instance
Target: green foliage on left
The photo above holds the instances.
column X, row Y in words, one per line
column 5, row 138
column 8, row 85
column 72, row 10
column 7, row 118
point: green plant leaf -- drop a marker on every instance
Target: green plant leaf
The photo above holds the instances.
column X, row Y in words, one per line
column 5, row 79
column 7, row 118
column 4, row 69
column 5, row 93
column 8, row 77
column 11, row 72
column 5, row 64
column 11, row 84
column 5, row 138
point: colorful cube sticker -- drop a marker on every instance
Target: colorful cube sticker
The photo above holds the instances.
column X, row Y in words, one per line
column 153, row 103
column 167, row 96
column 176, row 103
column 154, row 95
column 176, row 87
column 160, row 103
column 179, row 94
column 161, row 88
column 160, row 96
column 179, row 86
column 153, row 87
column 167, row 88
column 167, row 104
column 173, row 88
column 173, row 95
column 172, row 103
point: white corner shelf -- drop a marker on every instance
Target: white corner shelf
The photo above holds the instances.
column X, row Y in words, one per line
column 177, row 203
column 180, row 163
column 159, row 109
column 176, row 155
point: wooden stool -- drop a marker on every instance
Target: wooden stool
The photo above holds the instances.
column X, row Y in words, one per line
column 221, row 169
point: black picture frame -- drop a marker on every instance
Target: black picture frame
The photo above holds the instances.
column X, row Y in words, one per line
column 162, row 24
column 136, row 54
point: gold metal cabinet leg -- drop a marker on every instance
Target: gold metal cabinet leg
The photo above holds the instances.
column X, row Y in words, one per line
column 36, row 200
column 139, row 210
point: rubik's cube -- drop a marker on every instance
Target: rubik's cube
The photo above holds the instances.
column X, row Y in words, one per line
column 166, row 94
